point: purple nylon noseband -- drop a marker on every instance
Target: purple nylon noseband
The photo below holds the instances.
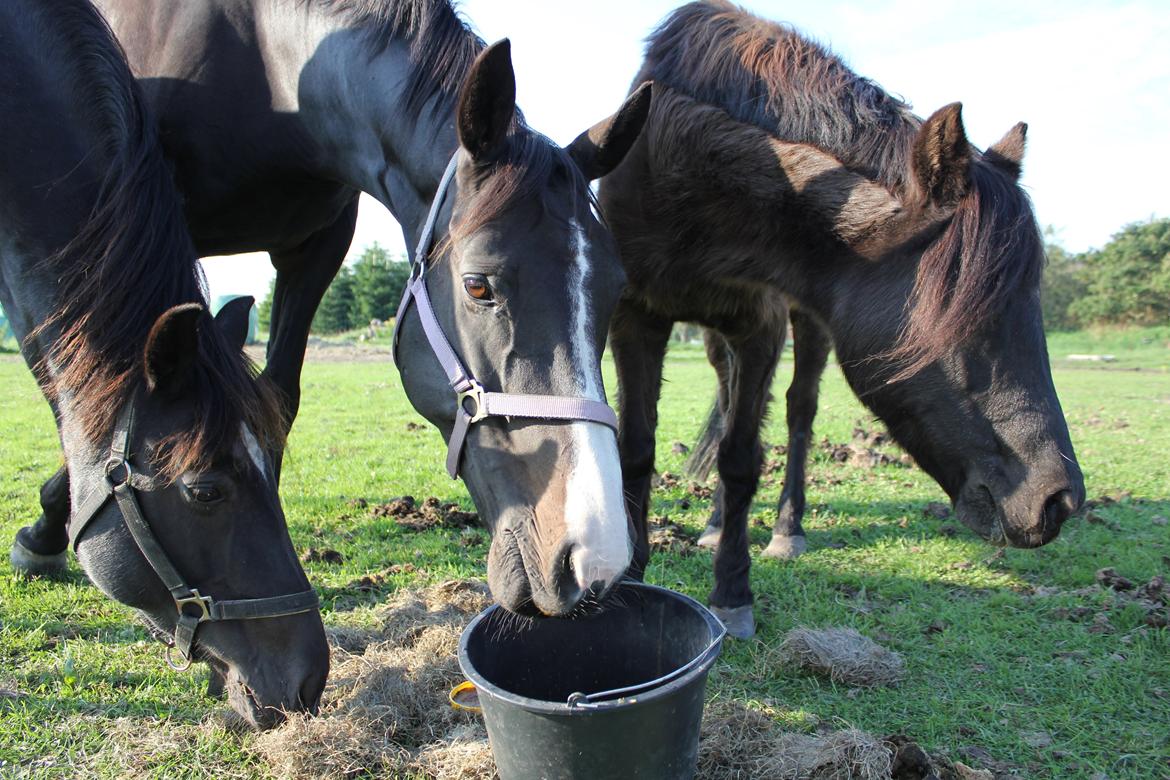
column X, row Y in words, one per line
column 487, row 404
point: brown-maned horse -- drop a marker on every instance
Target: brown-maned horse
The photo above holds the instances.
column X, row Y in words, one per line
column 161, row 417
column 768, row 173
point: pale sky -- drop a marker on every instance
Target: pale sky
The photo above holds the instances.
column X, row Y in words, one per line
column 1091, row 79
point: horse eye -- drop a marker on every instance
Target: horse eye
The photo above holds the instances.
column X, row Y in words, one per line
column 206, row 495
column 477, row 287
column 202, row 492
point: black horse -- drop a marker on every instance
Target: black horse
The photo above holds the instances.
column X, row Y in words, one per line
column 162, row 419
column 276, row 115
column 769, row 173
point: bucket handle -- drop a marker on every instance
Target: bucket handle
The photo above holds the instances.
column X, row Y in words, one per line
column 593, row 700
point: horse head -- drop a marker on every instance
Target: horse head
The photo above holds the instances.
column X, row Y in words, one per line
column 215, row 559
column 523, row 280
column 953, row 305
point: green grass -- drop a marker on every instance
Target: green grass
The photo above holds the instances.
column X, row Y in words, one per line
column 1134, row 348
column 1005, row 666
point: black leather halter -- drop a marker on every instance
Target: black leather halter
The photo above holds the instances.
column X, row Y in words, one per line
column 191, row 606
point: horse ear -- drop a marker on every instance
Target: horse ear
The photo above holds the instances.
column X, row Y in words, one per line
column 1007, row 153
column 942, row 157
column 487, row 102
column 171, row 348
column 598, row 150
column 233, row 319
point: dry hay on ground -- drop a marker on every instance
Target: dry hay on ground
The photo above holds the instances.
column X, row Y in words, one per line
column 385, row 711
column 843, row 655
column 738, row 743
column 385, row 714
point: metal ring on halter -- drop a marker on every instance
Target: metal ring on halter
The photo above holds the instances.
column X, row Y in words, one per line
column 112, row 465
column 169, row 655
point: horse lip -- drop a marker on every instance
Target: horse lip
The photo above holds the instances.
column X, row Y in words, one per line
column 977, row 509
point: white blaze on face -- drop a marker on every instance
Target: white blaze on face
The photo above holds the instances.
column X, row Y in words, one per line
column 595, row 513
column 255, row 451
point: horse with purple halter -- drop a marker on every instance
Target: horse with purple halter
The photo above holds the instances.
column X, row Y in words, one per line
column 276, row 116
column 769, row 175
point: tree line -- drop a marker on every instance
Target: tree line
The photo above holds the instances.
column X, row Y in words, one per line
column 1126, row 282
column 369, row 290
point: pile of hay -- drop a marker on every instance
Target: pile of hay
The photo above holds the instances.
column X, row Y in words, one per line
column 738, row 743
column 385, row 711
column 843, row 655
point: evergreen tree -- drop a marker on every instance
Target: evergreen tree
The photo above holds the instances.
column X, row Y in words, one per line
column 335, row 314
column 378, row 284
column 264, row 310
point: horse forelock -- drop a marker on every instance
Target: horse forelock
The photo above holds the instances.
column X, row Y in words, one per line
column 442, row 45
column 522, row 170
column 131, row 261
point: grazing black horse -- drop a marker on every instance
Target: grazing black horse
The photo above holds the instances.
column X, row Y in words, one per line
column 276, row 115
column 768, row 172
column 162, row 419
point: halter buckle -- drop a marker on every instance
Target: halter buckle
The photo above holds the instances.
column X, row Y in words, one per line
column 475, row 392
column 199, row 600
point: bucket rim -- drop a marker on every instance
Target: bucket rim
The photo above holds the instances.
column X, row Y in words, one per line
column 701, row 665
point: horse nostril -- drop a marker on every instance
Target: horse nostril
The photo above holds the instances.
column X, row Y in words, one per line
column 1057, row 509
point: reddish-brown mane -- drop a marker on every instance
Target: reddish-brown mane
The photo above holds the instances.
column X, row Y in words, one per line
column 130, row 262
column 767, row 75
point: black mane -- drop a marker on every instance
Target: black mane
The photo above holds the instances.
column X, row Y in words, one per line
column 442, row 45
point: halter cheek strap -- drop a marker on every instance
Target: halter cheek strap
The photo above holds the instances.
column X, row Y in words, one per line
column 468, row 392
column 192, row 607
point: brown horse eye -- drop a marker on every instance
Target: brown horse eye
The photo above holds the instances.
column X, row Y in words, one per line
column 477, row 287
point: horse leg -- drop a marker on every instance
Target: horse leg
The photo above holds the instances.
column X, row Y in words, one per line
column 638, row 340
column 303, row 275
column 41, row 548
column 740, row 461
column 720, row 357
column 811, row 347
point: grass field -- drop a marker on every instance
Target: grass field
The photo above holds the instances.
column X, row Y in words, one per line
column 1013, row 652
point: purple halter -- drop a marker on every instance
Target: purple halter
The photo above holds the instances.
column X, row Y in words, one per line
column 486, row 403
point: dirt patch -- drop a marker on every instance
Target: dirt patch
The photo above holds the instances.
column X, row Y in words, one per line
column 860, row 453
column 1152, row 597
column 431, row 513
column 327, row 555
column 669, row 537
column 843, row 655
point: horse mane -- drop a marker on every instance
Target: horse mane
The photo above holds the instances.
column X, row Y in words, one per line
column 442, row 50
column 765, row 74
column 132, row 260
column 442, row 45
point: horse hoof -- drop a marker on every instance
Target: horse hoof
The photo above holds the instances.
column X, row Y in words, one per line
column 739, row 621
column 785, row 548
column 35, row 564
column 710, row 537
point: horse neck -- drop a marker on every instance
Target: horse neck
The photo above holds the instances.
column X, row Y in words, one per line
column 350, row 99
